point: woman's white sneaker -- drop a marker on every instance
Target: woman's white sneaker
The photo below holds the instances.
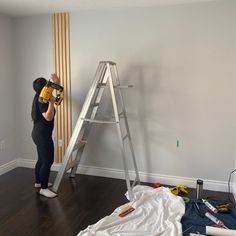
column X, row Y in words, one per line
column 47, row 193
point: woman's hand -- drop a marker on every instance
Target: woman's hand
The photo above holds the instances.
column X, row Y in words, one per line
column 52, row 99
column 55, row 79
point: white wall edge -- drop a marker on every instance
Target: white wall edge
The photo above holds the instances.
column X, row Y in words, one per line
column 213, row 185
column 234, row 190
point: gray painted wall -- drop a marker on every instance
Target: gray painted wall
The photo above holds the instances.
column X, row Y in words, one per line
column 33, row 60
column 8, row 134
column 181, row 61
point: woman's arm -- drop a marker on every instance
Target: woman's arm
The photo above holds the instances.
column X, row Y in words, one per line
column 49, row 114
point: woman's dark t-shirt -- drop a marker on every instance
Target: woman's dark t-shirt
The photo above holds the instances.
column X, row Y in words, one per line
column 41, row 125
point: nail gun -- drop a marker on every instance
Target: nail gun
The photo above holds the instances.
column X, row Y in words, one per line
column 46, row 93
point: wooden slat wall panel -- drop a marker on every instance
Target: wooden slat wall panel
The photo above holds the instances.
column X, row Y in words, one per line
column 61, row 62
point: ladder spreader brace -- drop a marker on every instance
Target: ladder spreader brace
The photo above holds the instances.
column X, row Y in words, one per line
column 105, row 76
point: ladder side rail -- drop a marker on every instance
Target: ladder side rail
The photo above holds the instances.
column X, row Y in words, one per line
column 91, row 92
column 114, row 103
column 93, row 109
column 77, row 129
column 95, row 99
column 131, row 147
column 88, row 127
column 126, row 124
column 99, row 96
column 78, row 155
column 67, row 155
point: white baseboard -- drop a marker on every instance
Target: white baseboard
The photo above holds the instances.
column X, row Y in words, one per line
column 119, row 174
column 214, row 185
column 26, row 163
column 8, row 167
column 31, row 164
column 154, row 178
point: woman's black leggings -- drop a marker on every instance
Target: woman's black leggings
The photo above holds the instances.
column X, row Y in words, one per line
column 45, row 149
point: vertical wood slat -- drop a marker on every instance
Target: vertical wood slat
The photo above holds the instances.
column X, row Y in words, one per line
column 65, row 82
column 61, row 61
column 68, row 74
column 55, row 62
column 58, row 117
column 60, row 47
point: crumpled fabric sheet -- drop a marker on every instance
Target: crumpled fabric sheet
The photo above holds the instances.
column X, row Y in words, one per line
column 157, row 213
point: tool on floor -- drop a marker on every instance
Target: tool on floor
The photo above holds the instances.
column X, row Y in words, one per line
column 179, row 189
column 125, row 212
column 209, row 206
column 186, row 199
column 199, row 189
column 197, row 234
column 215, row 220
column 223, row 208
column 198, row 209
column 156, row 185
column 190, row 227
column 106, row 77
column 46, row 93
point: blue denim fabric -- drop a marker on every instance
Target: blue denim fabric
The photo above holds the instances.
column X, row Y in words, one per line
column 192, row 222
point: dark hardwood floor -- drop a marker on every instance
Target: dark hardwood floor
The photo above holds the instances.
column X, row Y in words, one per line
column 82, row 201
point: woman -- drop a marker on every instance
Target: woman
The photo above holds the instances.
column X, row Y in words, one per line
column 43, row 118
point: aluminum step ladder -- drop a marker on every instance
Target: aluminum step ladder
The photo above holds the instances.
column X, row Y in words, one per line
column 106, row 76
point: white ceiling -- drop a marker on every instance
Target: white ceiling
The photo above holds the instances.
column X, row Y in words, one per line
column 33, row 7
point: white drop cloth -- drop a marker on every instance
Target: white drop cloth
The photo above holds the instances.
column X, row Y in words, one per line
column 157, row 213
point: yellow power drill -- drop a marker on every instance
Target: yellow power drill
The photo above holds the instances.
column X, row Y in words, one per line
column 46, row 93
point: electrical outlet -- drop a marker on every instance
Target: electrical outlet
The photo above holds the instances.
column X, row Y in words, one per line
column 2, row 145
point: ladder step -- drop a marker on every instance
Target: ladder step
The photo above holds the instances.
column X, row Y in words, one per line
column 96, row 104
column 124, row 86
column 121, row 114
column 125, row 137
column 135, row 182
column 71, row 165
column 112, row 63
column 80, row 144
column 101, row 85
column 99, row 121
